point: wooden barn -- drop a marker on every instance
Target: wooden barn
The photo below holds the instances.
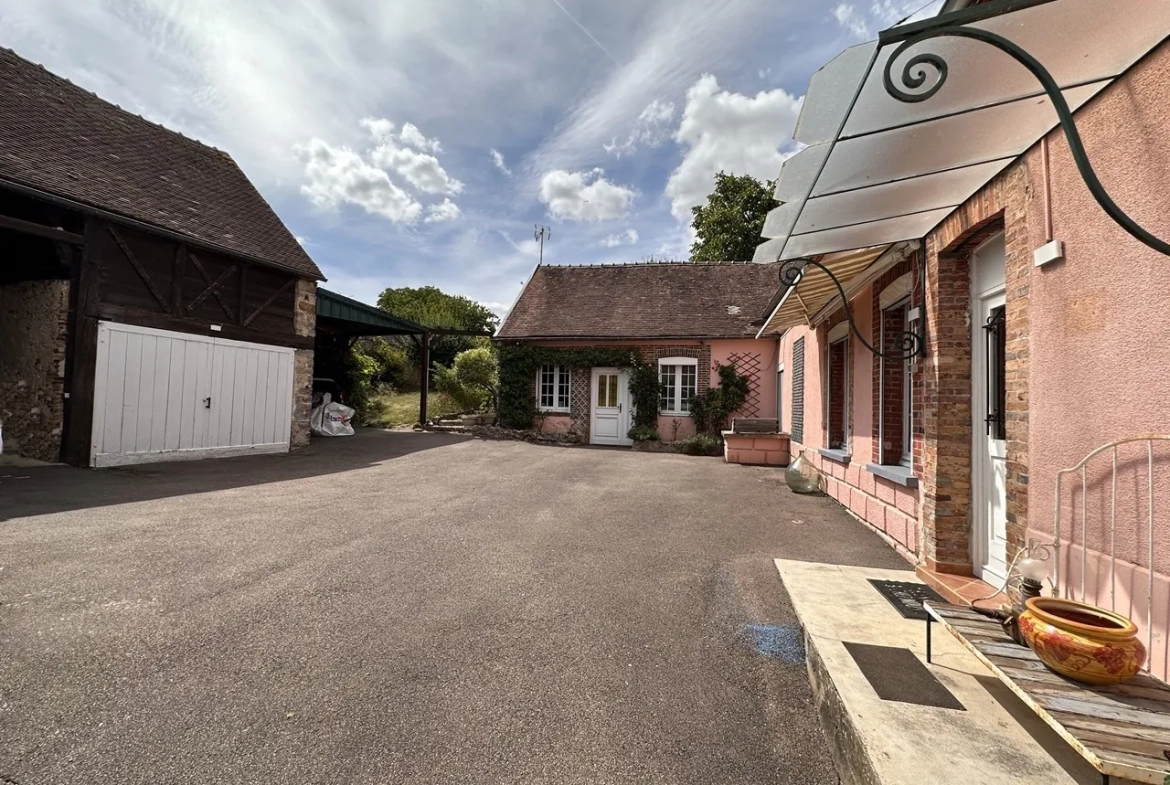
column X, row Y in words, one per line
column 152, row 305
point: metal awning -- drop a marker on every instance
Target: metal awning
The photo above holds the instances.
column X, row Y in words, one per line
column 809, row 294
column 341, row 314
column 878, row 170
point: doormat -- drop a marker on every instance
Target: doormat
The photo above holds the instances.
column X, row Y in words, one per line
column 907, row 597
column 898, row 675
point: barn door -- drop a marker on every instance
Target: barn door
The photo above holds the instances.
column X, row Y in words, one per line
column 162, row 395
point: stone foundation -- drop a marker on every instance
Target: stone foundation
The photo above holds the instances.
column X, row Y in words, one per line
column 305, row 324
column 33, row 336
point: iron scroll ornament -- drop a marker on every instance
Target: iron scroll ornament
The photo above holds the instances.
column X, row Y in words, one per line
column 909, row 342
column 915, row 74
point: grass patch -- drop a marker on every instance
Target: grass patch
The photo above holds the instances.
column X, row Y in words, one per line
column 386, row 410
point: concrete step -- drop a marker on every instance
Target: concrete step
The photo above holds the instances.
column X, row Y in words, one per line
column 445, row 428
column 994, row 739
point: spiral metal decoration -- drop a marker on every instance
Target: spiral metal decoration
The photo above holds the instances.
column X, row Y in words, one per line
column 914, row 75
column 909, row 343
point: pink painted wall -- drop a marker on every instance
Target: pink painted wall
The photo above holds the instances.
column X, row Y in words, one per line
column 554, row 423
column 760, row 365
column 1100, row 345
column 890, row 509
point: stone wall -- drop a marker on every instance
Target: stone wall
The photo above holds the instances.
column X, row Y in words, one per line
column 33, row 337
column 305, row 323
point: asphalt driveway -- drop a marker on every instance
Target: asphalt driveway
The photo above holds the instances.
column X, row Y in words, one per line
column 411, row 609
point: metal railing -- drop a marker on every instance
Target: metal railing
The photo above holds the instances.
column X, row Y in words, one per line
column 1082, row 469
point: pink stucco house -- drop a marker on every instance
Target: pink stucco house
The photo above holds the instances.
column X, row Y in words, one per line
column 686, row 318
column 1042, row 324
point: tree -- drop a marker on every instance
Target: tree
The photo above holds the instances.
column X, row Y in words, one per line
column 728, row 226
column 432, row 307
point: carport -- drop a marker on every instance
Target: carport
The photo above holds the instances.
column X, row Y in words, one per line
column 342, row 320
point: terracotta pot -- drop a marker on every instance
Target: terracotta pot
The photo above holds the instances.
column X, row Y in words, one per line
column 1081, row 641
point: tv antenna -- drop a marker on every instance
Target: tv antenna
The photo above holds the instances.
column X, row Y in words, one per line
column 541, row 234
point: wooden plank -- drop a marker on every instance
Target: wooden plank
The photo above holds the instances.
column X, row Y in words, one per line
column 82, row 355
column 271, row 299
column 1103, row 757
column 1078, row 722
column 40, row 230
column 243, row 293
column 213, row 287
column 178, row 269
column 174, row 402
column 138, row 268
column 160, row 321
column 147, row 386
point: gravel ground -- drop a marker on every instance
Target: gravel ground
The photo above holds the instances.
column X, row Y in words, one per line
column 410, row 608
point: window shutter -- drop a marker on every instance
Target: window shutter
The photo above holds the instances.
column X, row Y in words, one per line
column 798, row 390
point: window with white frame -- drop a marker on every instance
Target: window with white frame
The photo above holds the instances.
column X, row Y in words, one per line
column 552, row 388
column 679, row 377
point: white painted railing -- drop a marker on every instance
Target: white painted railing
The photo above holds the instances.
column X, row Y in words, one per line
column 1082, row 468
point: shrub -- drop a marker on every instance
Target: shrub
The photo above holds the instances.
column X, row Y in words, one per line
column 473, row 379
column 702, row 444
column 645, row 390
column 643, row 433
column 711, row 410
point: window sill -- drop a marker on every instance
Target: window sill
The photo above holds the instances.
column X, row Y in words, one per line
column 674, row 414
column 553, row 411
column 896, row 474
column 840, row 456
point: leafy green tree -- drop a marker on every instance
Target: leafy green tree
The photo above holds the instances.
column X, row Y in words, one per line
column 727, row 228
column 431, row 307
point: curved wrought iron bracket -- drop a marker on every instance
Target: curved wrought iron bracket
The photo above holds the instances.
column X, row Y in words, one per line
column 910, row 344
column 914, row 88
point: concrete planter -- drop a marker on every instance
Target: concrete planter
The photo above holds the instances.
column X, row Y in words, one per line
column 756, row 449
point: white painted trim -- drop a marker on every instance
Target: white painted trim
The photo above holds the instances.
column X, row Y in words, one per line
column 779, row 305
column 678, row 361
column 103, row 460
column 897, row 291
column 914, row 314
column 211, row 340
column 555, row 409
column 838, row 332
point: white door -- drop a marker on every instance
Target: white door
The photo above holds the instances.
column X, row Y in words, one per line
column 989, row 445
column 611, row 407
column 161, row 395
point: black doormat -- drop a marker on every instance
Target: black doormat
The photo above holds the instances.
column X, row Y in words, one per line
column 897, row 675
column 907, row 597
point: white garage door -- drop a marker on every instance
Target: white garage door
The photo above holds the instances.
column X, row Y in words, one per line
column 162, row 395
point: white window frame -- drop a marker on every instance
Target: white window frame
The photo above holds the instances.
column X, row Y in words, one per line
column 677, row 401
column 561, row 376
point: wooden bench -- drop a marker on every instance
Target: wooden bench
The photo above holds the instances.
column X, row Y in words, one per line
column 1121, row 730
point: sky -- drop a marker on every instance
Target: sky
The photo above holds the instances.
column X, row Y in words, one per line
column 411, row 143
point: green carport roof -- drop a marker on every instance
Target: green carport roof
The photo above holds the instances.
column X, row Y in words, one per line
column 357, row 318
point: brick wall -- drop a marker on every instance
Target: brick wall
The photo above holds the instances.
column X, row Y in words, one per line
column 946, row 395
column 838, row 393
column 889, row 376
column 33, row 337
column 305, row 324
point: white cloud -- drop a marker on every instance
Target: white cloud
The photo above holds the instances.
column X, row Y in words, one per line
column 584, row 196
column 447, row 211
column 650, row 130
column 881, row 14
column 338, row 175
column 413, row 137
column 628, row 237
column 498, row 160
column 300, row 240
column 848, row 17
column 729, row 132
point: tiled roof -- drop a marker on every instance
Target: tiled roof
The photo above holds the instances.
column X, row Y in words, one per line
column 61, row 139
column 655, row 300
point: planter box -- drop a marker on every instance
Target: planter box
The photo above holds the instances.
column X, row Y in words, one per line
column 756, row 449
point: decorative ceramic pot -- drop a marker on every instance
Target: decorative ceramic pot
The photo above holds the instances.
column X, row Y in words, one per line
column 1081, row 641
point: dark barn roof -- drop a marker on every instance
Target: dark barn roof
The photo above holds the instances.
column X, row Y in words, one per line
column 654, row 300
column 60, row 139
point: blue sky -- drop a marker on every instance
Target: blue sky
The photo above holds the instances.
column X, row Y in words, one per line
column 410, row 143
